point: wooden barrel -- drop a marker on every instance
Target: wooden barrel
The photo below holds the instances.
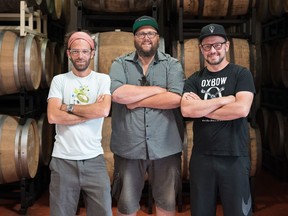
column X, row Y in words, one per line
column 188, row 50
column 111, row 45
column 63, row 61
column 46, row 139
column 240, row 52
column 13, row 6
column 28, row 148
column 243, row 53
column 285, row 5
column 255, row 150
column 47, row 6
column 66, row 10
column 20, row 64
column 262, row 11
column 57, row 58
column 266, row 58
column 276, row 133
column 28, row 63
column 216, row 8
column 279, row 63
column 19, row 149
column 44, row 48
column 269, row 9
column 283, row 62
column 276, row 7
column 286, row 138
column 108, row 155
column 8, row 149
column 57, row 9
column 187, row 149
column 262, row 120
column 123, row 6
column 8, row 77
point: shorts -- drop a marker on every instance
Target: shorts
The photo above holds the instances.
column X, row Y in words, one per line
column 129, row 177
column 69, row 177
column 227, row 176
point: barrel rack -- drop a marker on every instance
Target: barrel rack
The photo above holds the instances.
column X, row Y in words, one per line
column 275, row 29
column 24, row 190
column 24, row 104
column 275, row 98
column 26, row 19
column 100, row 22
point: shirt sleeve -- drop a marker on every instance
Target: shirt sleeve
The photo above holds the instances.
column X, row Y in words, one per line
column 245, row 81
column 176, row 77
column 105, row 84
column 55, row 90
column 117, row 75
column 190, row 84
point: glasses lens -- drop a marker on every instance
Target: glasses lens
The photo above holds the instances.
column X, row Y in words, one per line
column 217, row 46
column 208, row 47
column 151, row 34
column 77, row 52
column 142, row 35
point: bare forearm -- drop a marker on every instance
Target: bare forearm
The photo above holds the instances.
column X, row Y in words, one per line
column 128, row 94
column 57, row 116
column 167, row 100
column 199, row 108
column 100, row 108
column 230, row 112
column 64, row 118
column 238, row 109
column 90, row 111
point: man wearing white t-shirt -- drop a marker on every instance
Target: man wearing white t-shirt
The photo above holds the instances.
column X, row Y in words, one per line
column 78, row 101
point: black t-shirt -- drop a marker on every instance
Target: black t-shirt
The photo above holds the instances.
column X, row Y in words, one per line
column 214, row 137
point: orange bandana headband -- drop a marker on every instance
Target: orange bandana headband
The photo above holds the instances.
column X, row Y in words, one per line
column 83, row 36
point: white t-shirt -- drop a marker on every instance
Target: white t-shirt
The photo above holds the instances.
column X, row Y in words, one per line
column 80, row 141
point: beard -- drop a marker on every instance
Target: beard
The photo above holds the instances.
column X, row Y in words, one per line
column 215, row 62
column 81, row 67
column 145, row 53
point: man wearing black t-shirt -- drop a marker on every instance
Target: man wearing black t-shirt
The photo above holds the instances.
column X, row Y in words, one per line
column 219, row 98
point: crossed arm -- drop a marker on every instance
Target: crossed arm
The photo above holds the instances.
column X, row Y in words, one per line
column 222, row 108
column 146, row 96
column 57, row 114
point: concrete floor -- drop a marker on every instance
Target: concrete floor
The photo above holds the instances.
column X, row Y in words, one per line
column 271, row 199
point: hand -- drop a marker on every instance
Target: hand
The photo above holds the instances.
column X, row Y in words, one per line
column 63, row 107
column 160, row 89
column 191, row 96
column 100, row 99
column 230, row 99
column 131, row 106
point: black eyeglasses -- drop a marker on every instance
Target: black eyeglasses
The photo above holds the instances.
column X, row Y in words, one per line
column 144, row 81
column 142, row 35
column 208, row 47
